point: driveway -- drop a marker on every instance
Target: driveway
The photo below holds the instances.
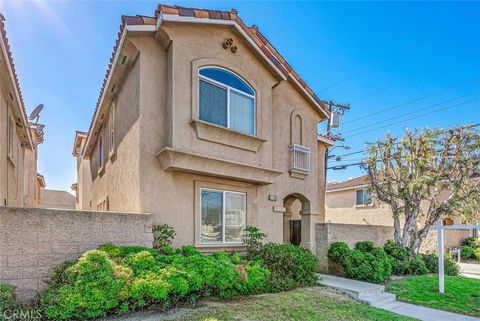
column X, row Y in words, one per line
column 471, row 270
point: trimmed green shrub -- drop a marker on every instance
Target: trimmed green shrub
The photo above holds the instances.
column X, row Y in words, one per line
column 188, row 250
column 370, row 264
column 255, row 278
column 450, row 267
column 467, row 252
column 290, row 266
column 7, row 298
column 141, row 263
column 404, row 261
column 473, row 242
column 399, row 257
column 88, row 289
column 337, row 251
column 417, row 266
column 120, row 252
column 477, row 254
column 254, row 239
column 365, row 246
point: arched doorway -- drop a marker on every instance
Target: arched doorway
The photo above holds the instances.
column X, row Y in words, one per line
column 296, row 220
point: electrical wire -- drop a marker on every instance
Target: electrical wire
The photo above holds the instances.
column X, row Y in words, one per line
column 375, row 92
column 423, row 115
column 413, row 112
column 458, row 85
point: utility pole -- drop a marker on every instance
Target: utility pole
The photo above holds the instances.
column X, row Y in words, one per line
column 333, row 107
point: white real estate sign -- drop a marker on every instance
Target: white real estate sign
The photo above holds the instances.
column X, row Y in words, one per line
column 440, row 227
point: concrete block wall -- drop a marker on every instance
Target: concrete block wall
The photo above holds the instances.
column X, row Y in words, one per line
column 328, row 233
column 33, row 241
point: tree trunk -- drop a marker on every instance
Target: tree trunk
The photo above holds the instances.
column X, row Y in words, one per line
column 396, row 233
column 418, row 238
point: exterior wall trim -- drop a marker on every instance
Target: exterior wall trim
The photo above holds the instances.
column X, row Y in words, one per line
column 175, row 18
column 226, row 136
column 348, row 188
column 181, row 161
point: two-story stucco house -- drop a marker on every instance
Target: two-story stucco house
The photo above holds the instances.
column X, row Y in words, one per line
column 352, row 202
column 19, row 184
column 201, row 122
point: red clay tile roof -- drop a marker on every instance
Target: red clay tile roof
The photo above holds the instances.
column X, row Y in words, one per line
column 270, row 52
column 357, row 181
column 3, row 34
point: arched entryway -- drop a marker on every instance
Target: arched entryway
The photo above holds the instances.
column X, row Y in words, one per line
column 298, row 221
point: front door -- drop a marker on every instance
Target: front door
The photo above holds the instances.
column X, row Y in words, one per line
column 295, row 232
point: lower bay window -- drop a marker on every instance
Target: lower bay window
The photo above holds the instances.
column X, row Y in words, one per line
column 223, row 216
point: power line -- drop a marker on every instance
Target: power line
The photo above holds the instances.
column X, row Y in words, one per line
column 407, row 80
column 459, row 85
column 413, row 112
column 412, row 45
column 343, row 166
column 423, row 115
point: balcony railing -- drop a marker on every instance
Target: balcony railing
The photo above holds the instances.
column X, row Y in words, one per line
column 300, row 158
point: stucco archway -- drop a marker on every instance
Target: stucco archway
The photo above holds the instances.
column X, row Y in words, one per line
column 298, row 221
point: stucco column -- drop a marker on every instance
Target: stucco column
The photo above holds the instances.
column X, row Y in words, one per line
column 309, row 221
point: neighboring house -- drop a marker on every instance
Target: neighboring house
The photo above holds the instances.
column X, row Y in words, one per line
column 202, row 123
column 351, row 202
column 56, row 199
column 19, row 137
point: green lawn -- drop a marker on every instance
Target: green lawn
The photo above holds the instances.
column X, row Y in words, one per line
column 462, row 295
column 314, row 303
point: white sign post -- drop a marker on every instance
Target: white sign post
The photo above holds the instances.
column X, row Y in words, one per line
column 441, row 276
column 440, row 227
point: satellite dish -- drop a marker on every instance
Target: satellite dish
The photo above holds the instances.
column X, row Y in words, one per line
column 39, row 129
column 36, row 112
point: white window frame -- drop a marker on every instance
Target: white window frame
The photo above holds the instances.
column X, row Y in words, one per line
column 101, row 161
column 10, row 136
column 229, row 89
column 223, row 213
column 111, row 129
column 363, row 200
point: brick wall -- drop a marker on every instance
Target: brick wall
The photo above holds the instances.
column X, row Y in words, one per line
column 33, row 241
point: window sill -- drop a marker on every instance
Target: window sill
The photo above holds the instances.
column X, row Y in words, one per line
column 111, row 154
column 10, row 158
column 364, row 206
column 296, row 173
column 101, row 170
column 229, row 247
column 226, row 136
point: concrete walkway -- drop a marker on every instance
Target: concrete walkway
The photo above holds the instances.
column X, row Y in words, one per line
column 470, row 270
column 375, row 295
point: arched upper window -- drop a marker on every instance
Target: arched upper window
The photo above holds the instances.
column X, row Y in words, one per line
column 226, row 100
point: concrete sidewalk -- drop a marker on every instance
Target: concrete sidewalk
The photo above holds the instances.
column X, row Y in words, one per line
column 375, row 295
column 470, row 270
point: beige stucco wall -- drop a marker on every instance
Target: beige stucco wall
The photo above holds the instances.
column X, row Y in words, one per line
column 11, row 168
column 340, row 208
column 17, row 173
column 159, row 95
column 33, row 240
column 56, row 199
column 119, row 180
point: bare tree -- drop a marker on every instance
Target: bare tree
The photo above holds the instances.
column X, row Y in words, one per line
column 433, row 168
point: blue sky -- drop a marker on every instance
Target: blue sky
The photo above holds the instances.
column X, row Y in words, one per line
column 421, row 58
